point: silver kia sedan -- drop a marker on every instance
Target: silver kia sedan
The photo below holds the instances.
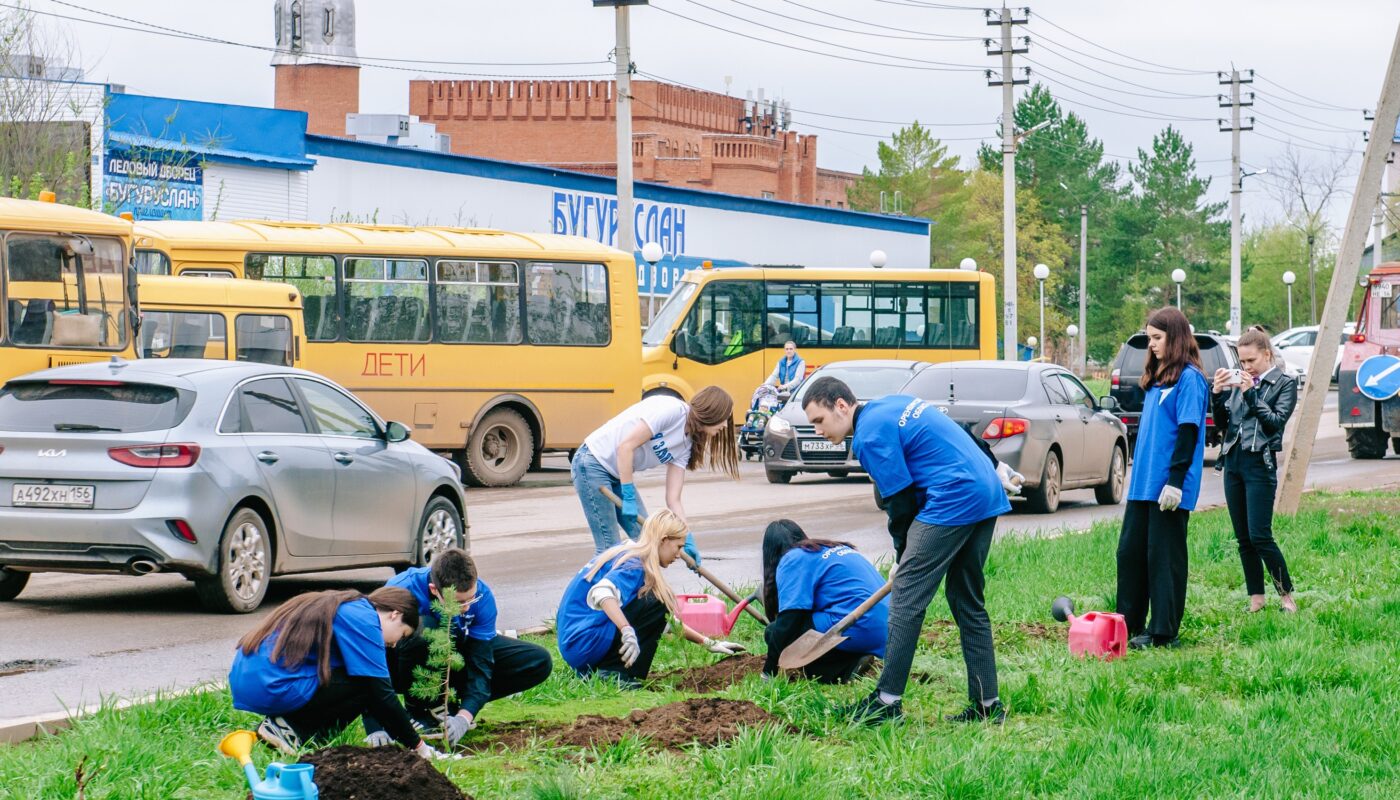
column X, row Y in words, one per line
column 225, row 472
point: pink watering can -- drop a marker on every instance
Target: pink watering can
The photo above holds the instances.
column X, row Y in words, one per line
column 708, row 615
column 1097, row 633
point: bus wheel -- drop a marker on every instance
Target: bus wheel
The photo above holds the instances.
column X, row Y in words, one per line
column 1366, row 443
column 499, row 450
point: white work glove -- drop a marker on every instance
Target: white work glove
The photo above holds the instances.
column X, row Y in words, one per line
column 722, row 648
column 379, row 739
column 426, row 751
column 1011, row 480
column 1169, row 499
column 631, row 649
column 456, row 726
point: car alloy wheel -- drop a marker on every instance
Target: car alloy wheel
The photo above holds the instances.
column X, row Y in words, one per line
column 246, row 561
column 440, row 532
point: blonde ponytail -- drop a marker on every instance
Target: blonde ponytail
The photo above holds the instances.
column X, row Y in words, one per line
column 660, row 526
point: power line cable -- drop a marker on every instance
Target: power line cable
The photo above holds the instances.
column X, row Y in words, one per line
column 1304, row 146
column 932, row 6
column 1287, row 132
column 918, row 38
column 1111, row 88
column 930, row 34
column 1292, row 124
column 1182, row 71
column 1157, row 115
column 1321, row 103
column 1285, row 110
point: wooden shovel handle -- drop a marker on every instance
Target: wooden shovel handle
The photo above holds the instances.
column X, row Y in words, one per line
column 697, row 569
column 861, row 610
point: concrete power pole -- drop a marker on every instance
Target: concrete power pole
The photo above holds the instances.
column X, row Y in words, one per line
column 1236, row 183
column 1299, row 446
column 1007, row 81
column 626, row 237
column 1083, row 290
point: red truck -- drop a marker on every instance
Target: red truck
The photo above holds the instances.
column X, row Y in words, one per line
column 1369, row 423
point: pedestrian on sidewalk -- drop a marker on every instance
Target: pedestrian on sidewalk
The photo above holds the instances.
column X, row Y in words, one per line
column 661, row 430
column 1254, row 404
column 317, row 663
column 943, row 490
column 810, row 585
column 614, row 611
column 1165, row 485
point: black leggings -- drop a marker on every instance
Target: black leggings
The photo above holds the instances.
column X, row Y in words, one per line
column 341, row 700
column 514, row 667
column 647, row 616
column 1250, row 483
column 834, row 666
column 1152, row 569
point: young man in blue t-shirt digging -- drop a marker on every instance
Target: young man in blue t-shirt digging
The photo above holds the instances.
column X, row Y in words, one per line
column 943, row 490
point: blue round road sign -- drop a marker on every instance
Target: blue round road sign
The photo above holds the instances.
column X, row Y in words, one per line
column 1378, row 377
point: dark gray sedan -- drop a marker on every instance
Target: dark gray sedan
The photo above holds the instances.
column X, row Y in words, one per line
column 1039, row 419
column 225, row 472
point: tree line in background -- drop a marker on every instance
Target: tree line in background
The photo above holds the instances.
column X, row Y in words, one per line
column 1144, row 222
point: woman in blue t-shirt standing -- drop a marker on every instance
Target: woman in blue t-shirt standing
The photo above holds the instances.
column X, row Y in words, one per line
column 318, row 662
column 810, row 584
column 1166, row 483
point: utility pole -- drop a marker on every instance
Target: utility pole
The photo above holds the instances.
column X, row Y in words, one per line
column 1312, row 282
column 1236, row 181
column 1083, row 361
column 1007, row 81
column 622, row 101
column 1298, row 446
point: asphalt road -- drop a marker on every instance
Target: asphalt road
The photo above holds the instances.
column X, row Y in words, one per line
column 116, row 636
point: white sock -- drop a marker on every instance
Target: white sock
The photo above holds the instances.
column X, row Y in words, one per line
column 888, row 699
column 989, row 703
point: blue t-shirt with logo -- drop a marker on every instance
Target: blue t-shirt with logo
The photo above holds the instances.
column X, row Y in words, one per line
column 478, row 619
column 263, row 687
column 903, row 441
column 1164, row 410
column 830, row 583
column 586, row 634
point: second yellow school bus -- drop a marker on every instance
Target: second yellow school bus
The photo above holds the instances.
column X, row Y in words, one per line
column 495, row 347
column 220, row 318
column 727, row 327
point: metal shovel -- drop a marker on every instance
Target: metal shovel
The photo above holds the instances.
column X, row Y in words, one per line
column 812, row 645
column 697, row 569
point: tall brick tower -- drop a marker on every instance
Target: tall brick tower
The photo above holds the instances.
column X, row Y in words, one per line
column 317, row 69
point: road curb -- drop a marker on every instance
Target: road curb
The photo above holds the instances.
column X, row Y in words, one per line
column 20, row 729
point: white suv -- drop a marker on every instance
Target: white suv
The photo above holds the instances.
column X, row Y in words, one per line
column 1296, row 346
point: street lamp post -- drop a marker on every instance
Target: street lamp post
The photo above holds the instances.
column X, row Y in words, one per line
column 1031, row 342
column 1072, row 331
column 1178, row 275
column 651, row 253
column 1041, row 273
column 1288, row 279
column 968, row 264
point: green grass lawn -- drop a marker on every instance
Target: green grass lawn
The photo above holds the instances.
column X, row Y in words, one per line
column 1262, row 705
column 1098, row 387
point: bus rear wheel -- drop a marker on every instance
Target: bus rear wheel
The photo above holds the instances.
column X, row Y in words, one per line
column 1366, row 443
column 499, row 449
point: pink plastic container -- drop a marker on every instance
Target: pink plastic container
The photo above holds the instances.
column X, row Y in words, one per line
column 708, row 614
column 1098, row 633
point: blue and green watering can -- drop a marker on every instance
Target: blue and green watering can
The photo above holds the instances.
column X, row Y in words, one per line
column 282, row 781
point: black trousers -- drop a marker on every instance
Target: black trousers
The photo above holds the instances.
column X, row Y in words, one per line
column 1152, row 569
column 336, row 703
column 1251, row 479
column 835, row 666
column 518, row 666
column 648, row 618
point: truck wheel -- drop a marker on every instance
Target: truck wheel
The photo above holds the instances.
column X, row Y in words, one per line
column 244, row 564
column 499, row 450
column 12, row 583
column 1366, row 443
column 1110, row 492
column 1045, row 498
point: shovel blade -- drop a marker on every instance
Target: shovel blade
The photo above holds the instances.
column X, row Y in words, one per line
column 809, row 647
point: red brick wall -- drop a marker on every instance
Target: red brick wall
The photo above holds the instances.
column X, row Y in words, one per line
column 326, row 93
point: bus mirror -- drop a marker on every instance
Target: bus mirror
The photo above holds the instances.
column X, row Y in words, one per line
column 80, row 246
column 396, row 432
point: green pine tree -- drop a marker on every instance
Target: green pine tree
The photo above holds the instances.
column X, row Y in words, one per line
column 433, row 682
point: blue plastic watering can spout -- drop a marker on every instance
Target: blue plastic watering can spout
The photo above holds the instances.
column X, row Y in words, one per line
column 251, row 773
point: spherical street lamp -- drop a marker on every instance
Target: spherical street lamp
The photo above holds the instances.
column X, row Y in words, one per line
column 877, row 258
column 968, row 264
column 652, row 253
column 1041, row 273
column 1071, row 331
column 1178, row 275
column 1288, row 279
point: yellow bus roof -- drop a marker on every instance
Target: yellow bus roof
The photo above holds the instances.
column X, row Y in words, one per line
column 262, row 236
column 36, row 215
column 830, row 274
column 165, row 290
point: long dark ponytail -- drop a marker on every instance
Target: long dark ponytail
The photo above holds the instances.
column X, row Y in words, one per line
column 778, row 538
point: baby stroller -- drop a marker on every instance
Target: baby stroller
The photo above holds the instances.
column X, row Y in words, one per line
column 765, row 403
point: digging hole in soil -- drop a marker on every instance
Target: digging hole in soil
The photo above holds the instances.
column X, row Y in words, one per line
column 705, row 721
column 378, row 773
column 717, row 676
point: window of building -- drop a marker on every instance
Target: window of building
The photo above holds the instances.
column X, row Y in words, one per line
column 313, row 276
column 296, row 24
column 478, row 302
column 768, row 195
column 264, row 338
column 567, row 304
column 328, row 23
column 183, row 334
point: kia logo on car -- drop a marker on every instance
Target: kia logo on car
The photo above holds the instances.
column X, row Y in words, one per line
column 52, row 453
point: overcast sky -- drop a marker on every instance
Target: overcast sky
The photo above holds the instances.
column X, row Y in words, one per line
column 1332, row 53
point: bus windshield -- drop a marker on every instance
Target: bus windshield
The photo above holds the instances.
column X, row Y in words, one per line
column 65, row 291
column 666, row 317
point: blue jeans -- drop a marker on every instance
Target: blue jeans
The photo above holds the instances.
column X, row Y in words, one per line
column 603, row 517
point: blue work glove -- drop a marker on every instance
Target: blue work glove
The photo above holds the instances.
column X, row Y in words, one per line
column 690, row 548
column 629, row 501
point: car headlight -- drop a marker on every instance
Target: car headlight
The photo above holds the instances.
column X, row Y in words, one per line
column 780, row 426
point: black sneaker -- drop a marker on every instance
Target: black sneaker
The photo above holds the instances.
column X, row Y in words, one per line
column 623, row 682
column 871, row 710
column 1144, row 641
column 976, row 712
column 862, row 667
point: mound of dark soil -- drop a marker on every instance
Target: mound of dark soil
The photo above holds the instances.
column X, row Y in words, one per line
column 713, row 677
column 378, row 773
column 705, row 721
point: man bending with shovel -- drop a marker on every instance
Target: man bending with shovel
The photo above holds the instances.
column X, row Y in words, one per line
column 943, row 491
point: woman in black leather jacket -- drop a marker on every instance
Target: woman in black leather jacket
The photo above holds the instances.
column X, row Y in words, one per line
column 1255, row 404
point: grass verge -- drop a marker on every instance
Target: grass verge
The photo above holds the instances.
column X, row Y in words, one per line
column 1262, row 705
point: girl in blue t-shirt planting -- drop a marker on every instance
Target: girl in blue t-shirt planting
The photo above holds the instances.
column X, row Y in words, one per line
column 318, row 662
column 1165, row 485
column 614, row 610
column 810, row 584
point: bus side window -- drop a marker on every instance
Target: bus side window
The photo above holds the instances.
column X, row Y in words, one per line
column 263, row 338
column 386, row 300
column 846, row 314
column 152, row 262
column 478, row 302
column 314, row 277
column 567, row 304
column 183, row 334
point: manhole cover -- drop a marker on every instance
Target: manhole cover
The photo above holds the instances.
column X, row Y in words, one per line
column 22, row 666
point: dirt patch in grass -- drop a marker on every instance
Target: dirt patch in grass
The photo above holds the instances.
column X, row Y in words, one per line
column 944, row 632
column 378, row 773
column 713, row 677
column 705, row 721
column 511, row 736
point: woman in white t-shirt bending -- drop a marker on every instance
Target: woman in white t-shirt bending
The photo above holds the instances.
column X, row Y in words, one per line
column 660, row 430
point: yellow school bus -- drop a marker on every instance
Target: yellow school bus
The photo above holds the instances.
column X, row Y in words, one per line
column 727, row 327
column 220, row 318
column 67, row 289
column 495, row 346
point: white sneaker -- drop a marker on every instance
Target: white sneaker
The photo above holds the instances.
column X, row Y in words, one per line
column 279, row 735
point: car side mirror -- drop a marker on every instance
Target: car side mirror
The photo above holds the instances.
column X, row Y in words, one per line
column 397, row 432
column 1109, row 403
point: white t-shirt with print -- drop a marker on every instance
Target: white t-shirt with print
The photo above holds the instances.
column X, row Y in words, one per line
column 665, row 416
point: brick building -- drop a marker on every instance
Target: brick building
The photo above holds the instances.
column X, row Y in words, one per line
column 682, row 137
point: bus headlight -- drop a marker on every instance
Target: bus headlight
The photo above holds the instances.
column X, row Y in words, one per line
column 780, row 427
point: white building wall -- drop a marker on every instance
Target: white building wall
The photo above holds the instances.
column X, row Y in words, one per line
column 235, row 191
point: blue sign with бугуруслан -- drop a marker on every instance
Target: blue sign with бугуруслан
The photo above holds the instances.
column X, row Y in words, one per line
column 1378, row 377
